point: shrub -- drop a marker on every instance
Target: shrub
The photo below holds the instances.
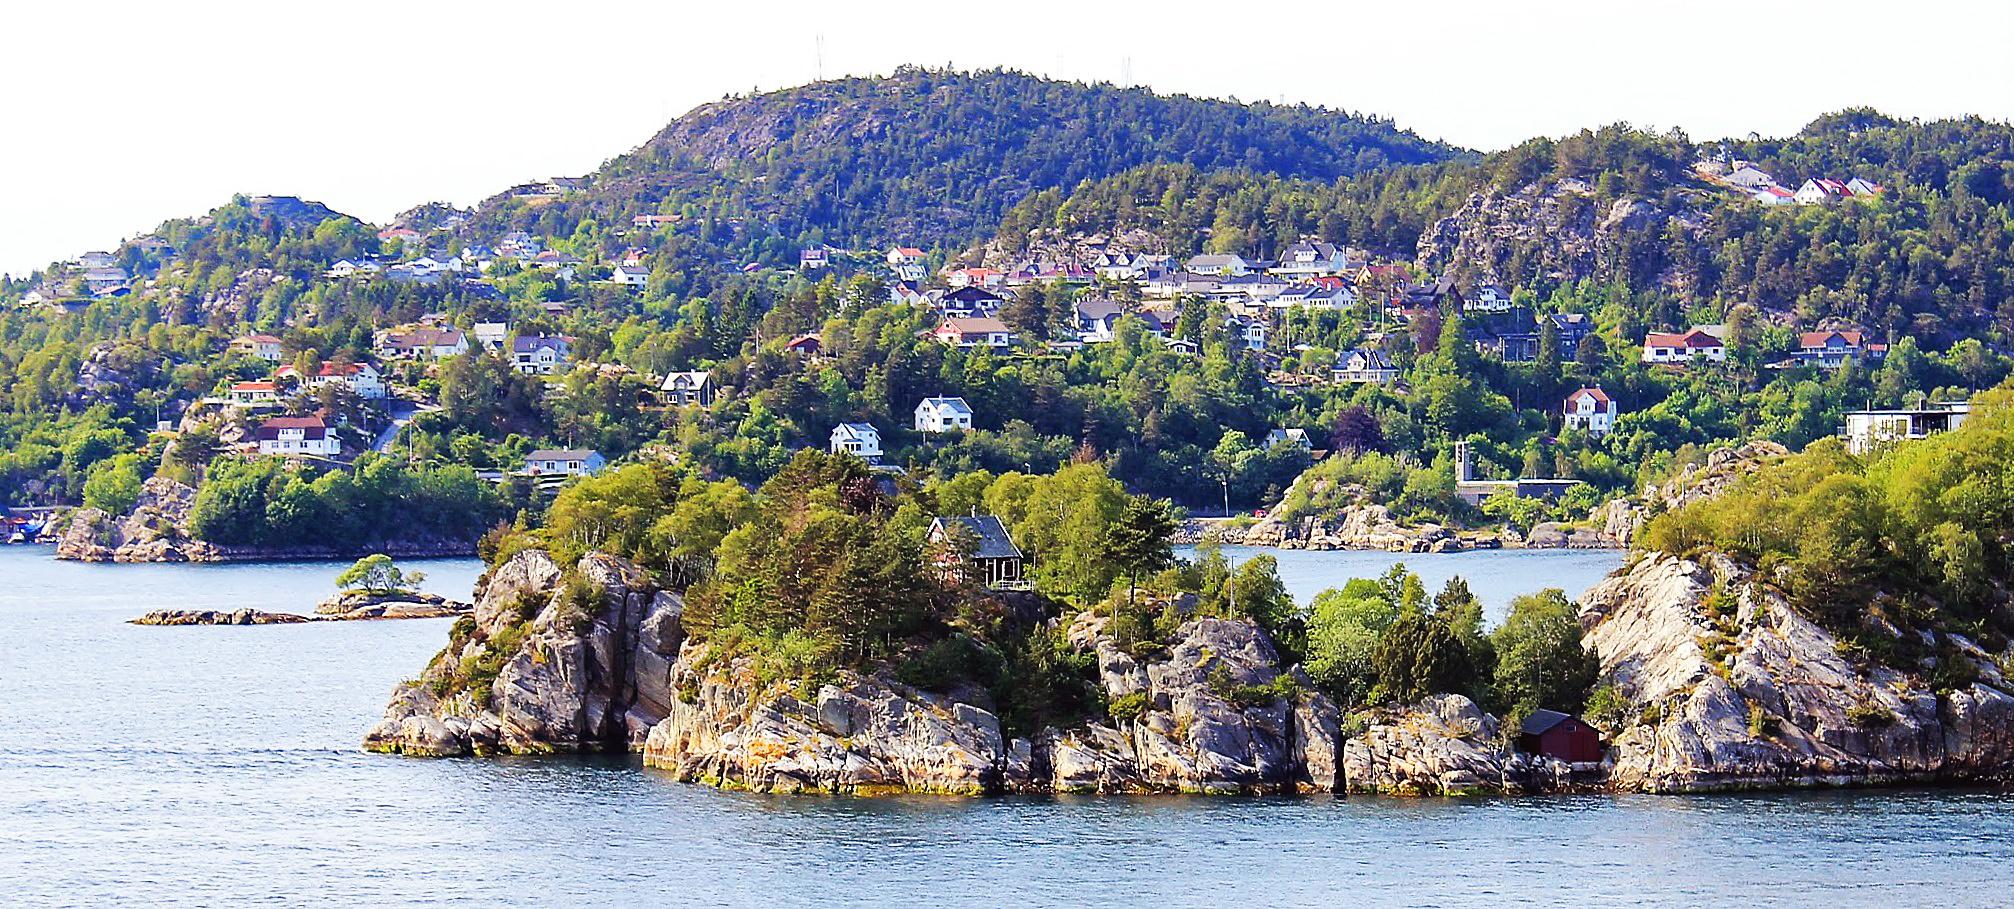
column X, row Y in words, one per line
column 1129, row 707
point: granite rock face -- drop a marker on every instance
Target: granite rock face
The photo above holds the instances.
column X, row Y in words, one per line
column 1211, row 712
column 155, row 531
column 1736, row 689
column 543, row 666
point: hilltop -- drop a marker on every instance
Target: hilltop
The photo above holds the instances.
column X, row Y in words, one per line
column 926, row 153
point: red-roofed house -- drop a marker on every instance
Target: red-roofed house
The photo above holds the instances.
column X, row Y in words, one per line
column 1831, row 349
column 298, row 436
column 976, row 277
column 1660, row 347
column 974, row 333
column 1590, row 409
column 261, row 392
column 361, row 378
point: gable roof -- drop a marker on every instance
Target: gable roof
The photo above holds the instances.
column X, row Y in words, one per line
column 1541, row 721
column 994, row 543
column 953, row 405
column 561, row 454
column 310, row 427
column 856, row 430
column 1697, row 337
column 694, row 379
column 978, row 325
column 1811, row 339
column 1600, row 397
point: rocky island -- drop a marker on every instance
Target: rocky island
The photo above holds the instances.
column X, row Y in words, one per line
column 1714, row 674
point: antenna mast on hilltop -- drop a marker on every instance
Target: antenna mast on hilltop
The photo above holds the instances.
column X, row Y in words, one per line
column 818, row 70
column 1125, row 72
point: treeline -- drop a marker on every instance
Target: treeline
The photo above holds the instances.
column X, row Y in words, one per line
column 1893, row 550
column 379, row 503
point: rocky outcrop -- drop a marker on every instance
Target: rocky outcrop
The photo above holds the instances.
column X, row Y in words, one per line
column 1356, row 523
column 1736, row 689
column 155, row 531
column 1559, row 229
column 352, row 605
column 1621, row 520
column 544, row 666
column 858, row 734
column 214, row 617
column 536, row 670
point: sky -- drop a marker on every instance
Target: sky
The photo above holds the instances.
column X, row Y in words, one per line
column 116, row 115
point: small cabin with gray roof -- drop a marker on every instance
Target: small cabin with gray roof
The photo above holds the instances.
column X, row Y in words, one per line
column 994, row 559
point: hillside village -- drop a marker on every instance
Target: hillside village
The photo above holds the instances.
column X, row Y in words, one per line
column 332, row 410
column 1238, row 344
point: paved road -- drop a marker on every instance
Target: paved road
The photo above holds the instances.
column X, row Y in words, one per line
column 402, row 413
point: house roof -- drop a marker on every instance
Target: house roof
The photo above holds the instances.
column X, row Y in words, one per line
column 953, row 405
column 522, row 344
column 260, row 339
column 1823, row 338
column 328, row 370
column 311, row 427
column 856, row 430
column 424, row 337
column 1697, row 337
column 978, row 325
column 1600, row 397
column 971, row 294
column 692, row 379
column 1373, row 358
column 260, row 385
column 1541, row 721
column 994, row 543
column 803, row 342
column 561, row 454
column 909, row 251
column 1098, row 309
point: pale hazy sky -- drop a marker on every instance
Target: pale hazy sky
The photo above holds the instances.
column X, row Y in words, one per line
column 118, row 115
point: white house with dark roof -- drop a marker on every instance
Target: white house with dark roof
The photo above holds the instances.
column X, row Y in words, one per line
column 1311, row 257
column 1364, row 365
column 1290, row 436
column 298, row 436
column 858, row 439
column 567, row 462
column 683, row 389
column 629, row 276
column 541, row 355
column 361, row 378
column 943, row 415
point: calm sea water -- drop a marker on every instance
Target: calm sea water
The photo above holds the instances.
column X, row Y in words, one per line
column 218, row 767
column 1494, row 575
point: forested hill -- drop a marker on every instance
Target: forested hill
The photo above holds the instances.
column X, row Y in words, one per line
column 923, row 156
column 1932, row 256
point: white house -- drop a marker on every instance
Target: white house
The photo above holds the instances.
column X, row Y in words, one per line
column 943, row 415
column 422, row 343
column 1487, row 298
column 1861, row 187
column 1225, row 264
column 1866, row 429
column 859, row 439
column 1364, row 365
column 1697, row 344
column 629, row 276
column 298, row 436
column 974, row 333
column 684, row 388
column 542, row 355
column 1590, row 409
column 252, row 393
column 1311, row 257
column 1818, row 191
column 565, row 462
column 265, row 347
column 361, row 378
column 1774, row 195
